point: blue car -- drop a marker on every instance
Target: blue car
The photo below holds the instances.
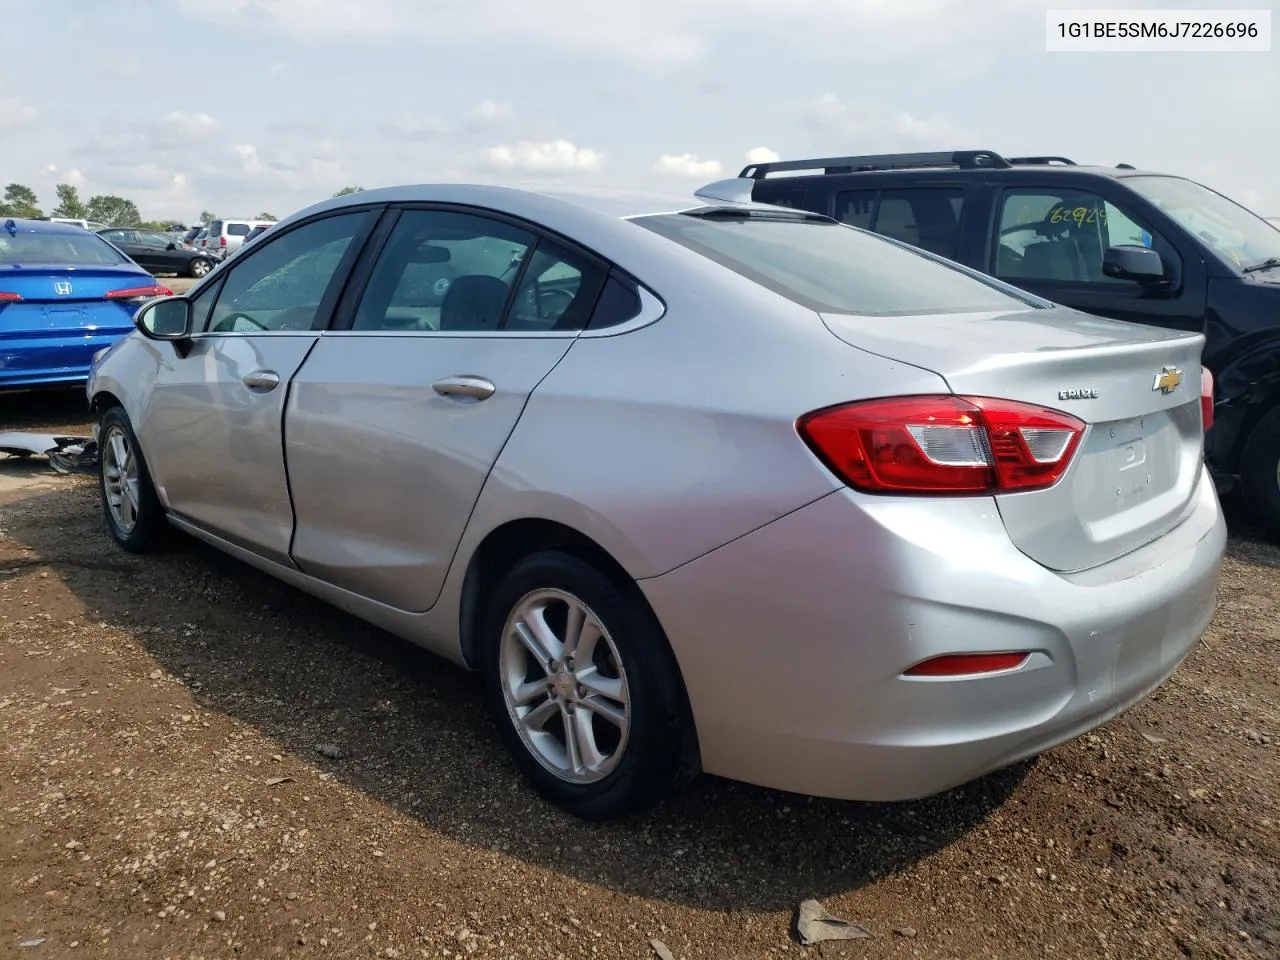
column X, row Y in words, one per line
column 65, row 293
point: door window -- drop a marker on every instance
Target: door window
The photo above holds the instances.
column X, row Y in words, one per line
column 280, row 284
column 1060, row 236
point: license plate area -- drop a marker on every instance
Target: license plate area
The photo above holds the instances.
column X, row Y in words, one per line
column 1131, row 470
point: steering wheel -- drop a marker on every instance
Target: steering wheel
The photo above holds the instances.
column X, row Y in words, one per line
column 547, row 303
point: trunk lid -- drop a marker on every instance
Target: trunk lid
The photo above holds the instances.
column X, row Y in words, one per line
column 1139, row 462
column 58, row 298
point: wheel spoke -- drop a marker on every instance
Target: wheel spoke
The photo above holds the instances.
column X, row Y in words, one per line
column 529, row 636
column 536, row 719
column 574, row 622
column 585, row 738
column 526, row 693
column 119, row 452
column 571, row 737
column 603, row 708
column 596, row 682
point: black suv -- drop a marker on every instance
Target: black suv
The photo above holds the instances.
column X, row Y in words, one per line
column 1113, row 241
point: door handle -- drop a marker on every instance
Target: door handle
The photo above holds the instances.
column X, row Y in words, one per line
column 265, row 380
column 475, row 388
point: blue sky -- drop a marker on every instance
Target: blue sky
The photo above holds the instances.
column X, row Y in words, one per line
column 250, row 105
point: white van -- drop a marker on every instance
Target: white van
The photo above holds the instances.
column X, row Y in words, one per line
column 225, row 237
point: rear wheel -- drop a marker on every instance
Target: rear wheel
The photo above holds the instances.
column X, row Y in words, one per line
column 198, row 268
column 135, row 518
column 1260, row 471
column 586, row 691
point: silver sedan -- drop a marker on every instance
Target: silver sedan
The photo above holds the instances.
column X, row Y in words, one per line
column 697, row 485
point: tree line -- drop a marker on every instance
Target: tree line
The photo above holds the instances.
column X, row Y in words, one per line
column 21, row 201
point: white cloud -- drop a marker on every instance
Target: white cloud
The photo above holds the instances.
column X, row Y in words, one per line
column 842, row 128
column 541, row 157
column 277, row 68
column 16, row 114
column 180, row 129
column 762, row 155
column 409, row 127
column 686, row 165
column 491, row 112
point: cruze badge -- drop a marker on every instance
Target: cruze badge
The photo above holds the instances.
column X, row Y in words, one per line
column 1078, row 393
column 1167, row 380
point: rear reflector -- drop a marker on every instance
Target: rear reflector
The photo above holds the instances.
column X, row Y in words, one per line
column 943, row 444
column 139, row 293
column 1206, row 396
column 967, row 664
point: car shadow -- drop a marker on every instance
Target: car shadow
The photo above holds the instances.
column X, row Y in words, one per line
column 414, row 734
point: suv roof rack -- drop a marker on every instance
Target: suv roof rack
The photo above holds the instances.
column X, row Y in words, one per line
column 963, row 159
column 1040, row 161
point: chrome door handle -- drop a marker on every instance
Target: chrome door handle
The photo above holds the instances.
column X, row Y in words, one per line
column 476, row 388
column 264, row 380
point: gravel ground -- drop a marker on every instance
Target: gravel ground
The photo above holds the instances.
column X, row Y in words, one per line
column 198, row 762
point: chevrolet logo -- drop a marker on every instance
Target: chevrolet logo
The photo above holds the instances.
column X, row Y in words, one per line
column 1167, row 380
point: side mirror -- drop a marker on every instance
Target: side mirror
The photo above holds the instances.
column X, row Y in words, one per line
column 168, row 318
column 172, row 246
column 1133, row 262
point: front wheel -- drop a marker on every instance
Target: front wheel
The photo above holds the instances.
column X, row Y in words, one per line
column 134, row 515
column 199, row 268
column 586, row 691
column 1260, row 471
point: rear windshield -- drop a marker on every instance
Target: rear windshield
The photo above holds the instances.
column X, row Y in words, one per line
column 835, row 268
column 72, row 247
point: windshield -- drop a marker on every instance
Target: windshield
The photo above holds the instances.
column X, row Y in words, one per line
column 833, row 268
column 71, row 247
column 1237, row 235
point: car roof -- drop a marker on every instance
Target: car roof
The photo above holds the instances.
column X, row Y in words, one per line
column 24, row 225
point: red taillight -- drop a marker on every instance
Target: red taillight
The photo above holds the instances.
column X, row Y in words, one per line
column 222, row 241
column 139, row 293
column 10, row 297
column 967, row 664
column 1206, row 397
column 943, row 444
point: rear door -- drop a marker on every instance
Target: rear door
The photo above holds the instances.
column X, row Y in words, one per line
column 212, row 431
column 395, row 421
column 1050, row 240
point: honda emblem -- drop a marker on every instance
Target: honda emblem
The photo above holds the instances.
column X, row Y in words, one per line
column 62, row 288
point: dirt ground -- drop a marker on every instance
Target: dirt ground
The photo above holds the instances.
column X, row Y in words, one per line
column 162, row 794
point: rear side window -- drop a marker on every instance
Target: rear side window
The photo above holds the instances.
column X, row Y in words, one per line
column 828, row 267
column 619, row 302
column 238, row 229
column 925, row 217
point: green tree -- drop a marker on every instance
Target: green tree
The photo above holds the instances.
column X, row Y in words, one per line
column 346, row 191
column 69, row 203
column 268, row 216
column 114, row 211
column 207, row 216
column 20, row 201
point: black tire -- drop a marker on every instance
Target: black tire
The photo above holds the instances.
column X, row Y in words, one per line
column 660, row 749
column 1260, row 471
column 199, row 268
column 149, row 526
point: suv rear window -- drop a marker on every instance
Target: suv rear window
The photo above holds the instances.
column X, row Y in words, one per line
column 833, row 268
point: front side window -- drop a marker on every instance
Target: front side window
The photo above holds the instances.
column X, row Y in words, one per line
column 1237, row 235
column 831, row 268
column 1061, row 236
column 280, row 285
column 154, row 240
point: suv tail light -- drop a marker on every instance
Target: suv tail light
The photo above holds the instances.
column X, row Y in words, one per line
column 222, row 241
column 139, row 294
column 943, row 444
column 1206, row 398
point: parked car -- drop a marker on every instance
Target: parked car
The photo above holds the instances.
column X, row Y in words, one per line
column 225, row 237
column 734, row 488
column 159, row 252
column 256, row 232
column 1115, row 242
column 190, row 236
column 64, row 294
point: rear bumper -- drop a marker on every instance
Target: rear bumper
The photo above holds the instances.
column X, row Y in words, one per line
column 42, row 360
column 793, row 640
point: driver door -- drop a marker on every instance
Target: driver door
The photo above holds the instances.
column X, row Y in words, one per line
column 216, row 412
